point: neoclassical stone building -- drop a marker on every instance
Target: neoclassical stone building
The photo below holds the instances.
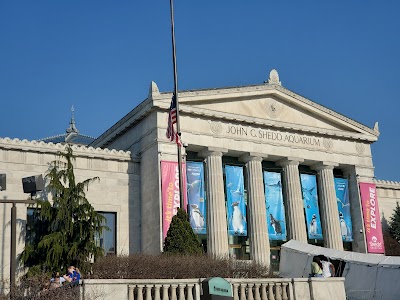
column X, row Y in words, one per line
column 259, row 128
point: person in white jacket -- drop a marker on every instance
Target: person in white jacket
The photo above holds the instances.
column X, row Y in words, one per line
column 328, row 270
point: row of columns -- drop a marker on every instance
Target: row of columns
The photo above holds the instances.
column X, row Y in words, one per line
column 217, row 238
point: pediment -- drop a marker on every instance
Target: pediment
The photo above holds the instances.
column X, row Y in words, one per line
column 274, row 106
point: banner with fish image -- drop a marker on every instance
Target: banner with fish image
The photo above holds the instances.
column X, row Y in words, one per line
column 310, row 201
column 343, row 203
column 236, row 212
column 170, row 192
column 274, row 203
column 196, row 196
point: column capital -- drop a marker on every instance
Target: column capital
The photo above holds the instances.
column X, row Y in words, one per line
column 324, row 165
column 208, row 151
column 295, row 161
column 252, row 156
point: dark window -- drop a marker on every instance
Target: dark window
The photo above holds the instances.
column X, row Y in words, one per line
column 30, row 224
column 107, row 239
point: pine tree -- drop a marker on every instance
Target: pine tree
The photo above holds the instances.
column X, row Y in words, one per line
column 64, row 231
column 394, row 225
column 180, row 238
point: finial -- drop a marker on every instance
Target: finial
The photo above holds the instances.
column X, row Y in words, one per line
column 72, row 125
column 274, row 77
column 153, row 90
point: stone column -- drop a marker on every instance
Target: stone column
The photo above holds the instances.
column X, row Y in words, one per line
column 217, row 229
column 352, row 173
column 293, row 199
column 329, row 210
column 258, row 234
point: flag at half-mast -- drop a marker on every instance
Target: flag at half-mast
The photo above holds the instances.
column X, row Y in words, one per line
column 172, row 133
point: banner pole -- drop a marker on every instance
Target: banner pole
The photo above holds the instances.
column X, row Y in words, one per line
column 178, row 126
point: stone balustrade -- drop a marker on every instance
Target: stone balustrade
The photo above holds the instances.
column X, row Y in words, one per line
column 257, row 289
column 190, row 289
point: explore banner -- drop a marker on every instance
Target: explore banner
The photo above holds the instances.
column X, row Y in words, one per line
column 274, row 203
column 372, row 219
column 196, row 196
column 236, row 212
column 343, row 203
column 170, row 192
column 310, row 200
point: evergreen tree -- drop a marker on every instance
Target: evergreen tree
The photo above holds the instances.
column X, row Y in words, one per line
column 64, row 231
column 394, row 226
column 180, row 237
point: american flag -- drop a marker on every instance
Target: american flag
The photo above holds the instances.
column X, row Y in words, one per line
column 172, row 135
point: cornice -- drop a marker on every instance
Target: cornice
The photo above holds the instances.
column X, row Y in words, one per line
column 387, row 184
column 79, row 150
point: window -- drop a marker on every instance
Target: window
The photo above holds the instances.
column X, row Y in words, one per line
column 30, row 223
column 107, row 239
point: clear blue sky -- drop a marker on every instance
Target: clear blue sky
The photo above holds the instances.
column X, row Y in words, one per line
column 100, row 56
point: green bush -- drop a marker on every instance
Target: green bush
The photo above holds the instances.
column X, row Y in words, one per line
column 180, row 238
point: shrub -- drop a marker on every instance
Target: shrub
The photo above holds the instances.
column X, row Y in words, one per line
column 392, row 247
column 141, row 266
column 180, row 237
column 37, row 288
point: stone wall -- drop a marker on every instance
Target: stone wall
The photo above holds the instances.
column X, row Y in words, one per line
column 190, row 289
column 388, row 195
column 118, row 175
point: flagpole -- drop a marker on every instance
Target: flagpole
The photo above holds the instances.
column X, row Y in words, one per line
column 178, row 127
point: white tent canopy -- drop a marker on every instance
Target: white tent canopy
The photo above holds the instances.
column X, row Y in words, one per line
column 363, row 272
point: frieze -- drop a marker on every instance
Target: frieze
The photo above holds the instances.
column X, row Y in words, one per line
column 271, row 135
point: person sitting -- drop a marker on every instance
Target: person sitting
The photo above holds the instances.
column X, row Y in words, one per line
column 328, row 269
column 56, row 280
column 73, row 275
column 316, row 267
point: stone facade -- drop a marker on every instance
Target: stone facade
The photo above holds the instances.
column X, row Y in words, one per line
column 250, row 125
column 282, row 127
column 388, row 196
column 116, row 191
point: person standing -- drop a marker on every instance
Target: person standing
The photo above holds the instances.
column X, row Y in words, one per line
column 328, row 270
column 316, row 267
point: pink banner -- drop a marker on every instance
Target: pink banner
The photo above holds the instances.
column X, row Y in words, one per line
column 170, row 191
column 372, row 220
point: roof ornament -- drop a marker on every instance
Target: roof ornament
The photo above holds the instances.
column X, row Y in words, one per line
column 153, row 90
column 376, row 127
column 71, row 130
column 274, row 77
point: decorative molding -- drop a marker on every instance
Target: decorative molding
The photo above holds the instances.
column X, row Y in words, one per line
column 79, row 150
column 273, row 108
column 387, row 184
column 328, row 143
column 216, row 127
column 360, row 148
column 89, row 163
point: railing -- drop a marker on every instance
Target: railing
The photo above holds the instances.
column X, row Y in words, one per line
column 243, row 289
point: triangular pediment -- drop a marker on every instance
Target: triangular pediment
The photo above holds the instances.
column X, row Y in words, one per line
column 274, row 106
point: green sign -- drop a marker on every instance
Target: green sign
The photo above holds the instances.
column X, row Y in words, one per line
column 219, row 286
